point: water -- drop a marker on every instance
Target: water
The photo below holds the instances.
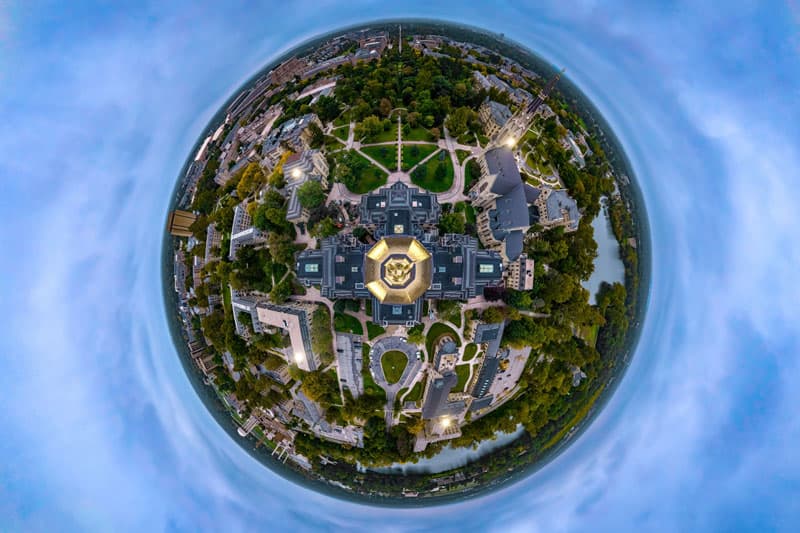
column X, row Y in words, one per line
column 608, row 266
column 450, row 458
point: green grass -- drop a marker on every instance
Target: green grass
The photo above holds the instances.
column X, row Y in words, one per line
column 383, row 136
column 373, row 330
column 469, row 213
column 341, row 133
column 416, row 392
column 369, row 179
column 470, row 351
column 462, row 371
column 462, row 155
column 472, row 173
column 346, row 323
column 341, row 120
column 385, row 154
column 414, row 153
column 370, row 387
column 437, row 330
column 419, row 134
column 425, row 175
column 393, row 364
column 226, row 300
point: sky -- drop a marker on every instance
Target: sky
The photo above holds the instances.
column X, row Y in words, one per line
column 101, row 430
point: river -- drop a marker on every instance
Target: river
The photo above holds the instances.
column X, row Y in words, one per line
column 608, row 266
column 450, row 458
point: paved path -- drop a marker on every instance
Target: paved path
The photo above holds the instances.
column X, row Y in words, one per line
column 399, row 144
column 409, row 375
column 340, row 192
column 350, row 135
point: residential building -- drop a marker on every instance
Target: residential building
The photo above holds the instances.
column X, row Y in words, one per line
column 213, row 240
column 243, row 232
column 179, row 223
column 295, row 318
column 293, row 135
column 287, row 70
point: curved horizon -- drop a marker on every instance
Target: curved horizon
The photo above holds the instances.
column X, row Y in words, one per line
column 102, row 428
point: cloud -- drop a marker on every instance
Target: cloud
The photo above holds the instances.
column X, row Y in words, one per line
column 104, row 429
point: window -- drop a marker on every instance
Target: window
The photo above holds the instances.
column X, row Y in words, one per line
column 354, row 269
column 486, row 268
column 312, row 267
column 398, row 228
column 397, row 310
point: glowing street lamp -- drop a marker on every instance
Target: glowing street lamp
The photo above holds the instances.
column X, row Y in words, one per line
column 510, row 142
column 296, row 173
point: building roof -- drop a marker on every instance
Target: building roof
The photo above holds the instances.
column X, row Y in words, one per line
column 438, row 389
column 500, row 113
column 514, row 242
column 485, row 377
column 398, row 270
column 501, row 163
column 559, row 200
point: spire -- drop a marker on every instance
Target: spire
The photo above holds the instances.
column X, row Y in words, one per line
column 541, row 97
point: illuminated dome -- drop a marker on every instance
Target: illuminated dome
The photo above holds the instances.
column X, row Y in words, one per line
column 398, row 270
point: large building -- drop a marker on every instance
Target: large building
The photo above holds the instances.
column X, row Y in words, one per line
column 297, row 170
column 494, row 116
column 409, row 262
column 287, row 70
column 243, row 232
column 488, row 337
column 296, row 319
column 501, row 194
column 554, row 207
column 179, row 223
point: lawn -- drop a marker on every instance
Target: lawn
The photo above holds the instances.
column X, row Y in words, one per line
column 469, row 213
column 385, row 154
column 393, row 364
column 419, row 134
column 373, row 330
column 414, row 153
column 389, row 135
column 365, row 176
column 470, row 351
column 472, row 172
column 462, row 371
column 345, row 304
column 436, row 175
column 462, row 155
column 370, row 387
column 437, row 330
column 346, row 323
column 416, row 393
column 342, row 132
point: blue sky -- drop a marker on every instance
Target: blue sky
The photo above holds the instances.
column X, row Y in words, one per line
column 100, row 105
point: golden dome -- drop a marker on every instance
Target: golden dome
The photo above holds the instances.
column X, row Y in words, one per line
column 398, row 270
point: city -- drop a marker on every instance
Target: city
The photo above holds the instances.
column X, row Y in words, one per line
column 368, row 272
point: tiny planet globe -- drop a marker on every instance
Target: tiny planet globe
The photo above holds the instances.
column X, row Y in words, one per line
column 406, row 263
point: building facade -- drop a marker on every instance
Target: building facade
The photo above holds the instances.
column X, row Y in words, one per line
column 409, row 263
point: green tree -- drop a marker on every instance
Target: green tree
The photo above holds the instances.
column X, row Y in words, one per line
column 452, row 223
column 311, row 194
column 324, row 228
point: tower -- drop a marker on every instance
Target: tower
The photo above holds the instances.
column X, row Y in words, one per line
column 521, row 121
